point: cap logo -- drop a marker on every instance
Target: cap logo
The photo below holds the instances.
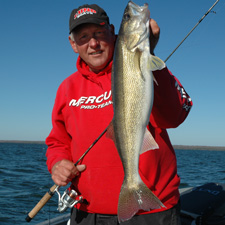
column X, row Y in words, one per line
column 84, row 11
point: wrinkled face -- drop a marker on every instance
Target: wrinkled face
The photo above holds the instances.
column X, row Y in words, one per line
column 94, row 44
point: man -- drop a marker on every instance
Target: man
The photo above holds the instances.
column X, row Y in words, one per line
column 82, row 111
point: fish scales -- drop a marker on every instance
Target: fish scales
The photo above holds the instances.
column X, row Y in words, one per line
column 133, row 94
column 129, row 98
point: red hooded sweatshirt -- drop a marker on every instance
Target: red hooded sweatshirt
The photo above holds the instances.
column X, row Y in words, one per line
column 83, row 109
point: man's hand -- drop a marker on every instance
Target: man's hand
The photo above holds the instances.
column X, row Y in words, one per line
column 154, row 35
column 64, row 171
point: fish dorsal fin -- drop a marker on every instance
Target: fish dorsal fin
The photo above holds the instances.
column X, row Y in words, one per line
column 149, row 142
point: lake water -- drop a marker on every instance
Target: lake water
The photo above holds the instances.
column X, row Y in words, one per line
column 24, row 178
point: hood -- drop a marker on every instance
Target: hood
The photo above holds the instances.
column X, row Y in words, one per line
column 84, row 69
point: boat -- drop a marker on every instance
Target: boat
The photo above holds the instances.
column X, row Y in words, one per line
column 204, row 204
column 59, row 220
column 195, row 201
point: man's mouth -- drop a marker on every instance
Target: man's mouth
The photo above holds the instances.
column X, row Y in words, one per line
column 96, row 53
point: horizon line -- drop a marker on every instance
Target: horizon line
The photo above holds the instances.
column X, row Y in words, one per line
column 176, row 146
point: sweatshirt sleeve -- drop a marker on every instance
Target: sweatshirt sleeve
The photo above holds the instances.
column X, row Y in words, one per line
column 171, row 102
column 59, row 140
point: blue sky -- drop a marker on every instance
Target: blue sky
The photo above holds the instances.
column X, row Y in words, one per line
column 35, row 57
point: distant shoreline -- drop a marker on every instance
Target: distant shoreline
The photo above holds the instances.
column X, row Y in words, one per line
column 176, row 147
column 198, row 147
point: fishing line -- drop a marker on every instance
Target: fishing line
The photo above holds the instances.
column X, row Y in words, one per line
column 192, row 30
column 207, row 29
column 209, row 32
column 219, row 9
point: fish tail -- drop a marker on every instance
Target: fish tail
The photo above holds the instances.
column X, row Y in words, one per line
column 131, row 200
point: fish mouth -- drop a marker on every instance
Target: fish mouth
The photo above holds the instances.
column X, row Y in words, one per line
column 140, row 10
column 136, row 8
column 144, row 12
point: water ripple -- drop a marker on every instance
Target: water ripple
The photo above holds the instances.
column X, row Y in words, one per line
column 25, row 179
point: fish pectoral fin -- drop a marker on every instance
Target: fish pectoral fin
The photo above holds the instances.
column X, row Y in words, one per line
column 149, row 142
column 156, row 63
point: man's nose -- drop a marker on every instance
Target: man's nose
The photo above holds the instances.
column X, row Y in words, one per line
column 93, row 42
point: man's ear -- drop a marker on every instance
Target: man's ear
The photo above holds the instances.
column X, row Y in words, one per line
column 73, row 45
column 112, row 28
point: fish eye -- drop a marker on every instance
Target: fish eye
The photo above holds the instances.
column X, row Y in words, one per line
column 126, row 16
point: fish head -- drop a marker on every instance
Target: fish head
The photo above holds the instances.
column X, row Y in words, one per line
column 134, row 28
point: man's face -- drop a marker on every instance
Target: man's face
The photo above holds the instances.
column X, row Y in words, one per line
column 94, row 44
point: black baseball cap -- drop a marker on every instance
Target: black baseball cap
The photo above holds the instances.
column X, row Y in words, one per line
column 87, row 14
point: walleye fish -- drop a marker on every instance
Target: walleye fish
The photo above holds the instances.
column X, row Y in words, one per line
column 132, row 85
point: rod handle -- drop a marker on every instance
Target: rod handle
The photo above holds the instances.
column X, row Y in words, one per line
column 41, row 203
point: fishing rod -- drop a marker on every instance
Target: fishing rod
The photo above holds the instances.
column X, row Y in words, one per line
column 192, row 29
column 68, row 199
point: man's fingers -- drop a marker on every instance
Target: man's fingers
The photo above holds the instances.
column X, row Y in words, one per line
column 154, row 28
column 64, row 171
column 154, row 34
column 81, row 167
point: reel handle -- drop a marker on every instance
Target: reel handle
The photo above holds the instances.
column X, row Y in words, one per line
column 41, row 203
